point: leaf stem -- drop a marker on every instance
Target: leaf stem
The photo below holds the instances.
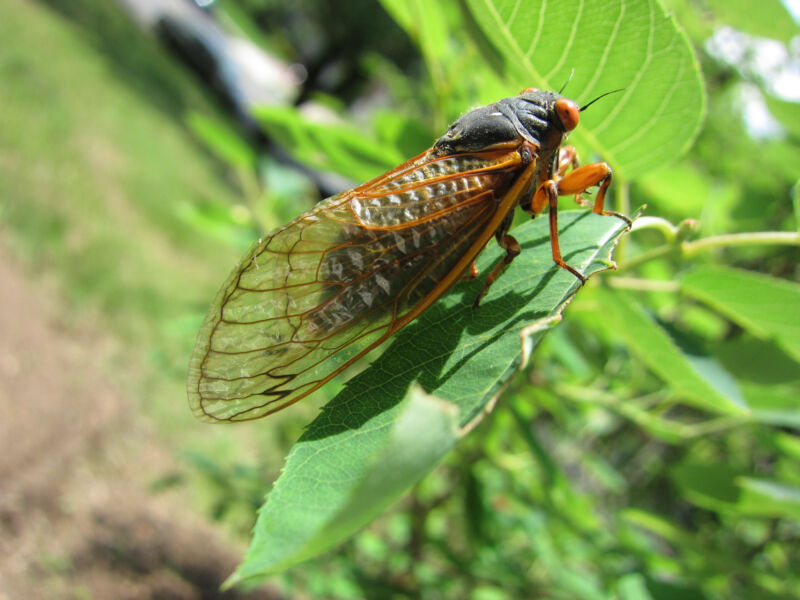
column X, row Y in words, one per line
column 783, row 238
column 632, row 408
column 652, row 254
column 690, row 249
column 668, row 230
column 622, row 205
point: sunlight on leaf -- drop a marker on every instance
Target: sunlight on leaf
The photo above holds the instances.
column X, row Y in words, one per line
column 765, row 306
column 609, row 45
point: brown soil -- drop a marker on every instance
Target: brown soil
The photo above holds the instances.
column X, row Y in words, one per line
column 76, row 517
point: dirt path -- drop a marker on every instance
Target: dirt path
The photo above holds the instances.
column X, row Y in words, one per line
column 76, row 518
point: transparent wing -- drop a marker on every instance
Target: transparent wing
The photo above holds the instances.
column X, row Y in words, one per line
column 318, row 293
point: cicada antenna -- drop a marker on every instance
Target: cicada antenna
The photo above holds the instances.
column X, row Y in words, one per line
column 585, row 106
column 563, row 87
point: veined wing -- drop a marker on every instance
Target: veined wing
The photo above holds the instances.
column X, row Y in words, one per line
column 318, row 293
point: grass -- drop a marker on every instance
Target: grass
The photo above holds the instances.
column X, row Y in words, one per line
column 105, row 194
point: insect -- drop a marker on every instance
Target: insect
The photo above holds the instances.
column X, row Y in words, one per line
column 318, row 293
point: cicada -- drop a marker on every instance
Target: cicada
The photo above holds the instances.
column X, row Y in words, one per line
column 315, row 295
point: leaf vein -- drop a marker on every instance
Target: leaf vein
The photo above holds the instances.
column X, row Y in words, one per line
column 606, row 51
column 573, row 34
column 539, row 28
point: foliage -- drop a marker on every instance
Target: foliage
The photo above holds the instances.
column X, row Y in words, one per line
column 648, row 451
column 645, row 427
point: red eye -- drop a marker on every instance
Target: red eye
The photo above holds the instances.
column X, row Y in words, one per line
column 568, row 112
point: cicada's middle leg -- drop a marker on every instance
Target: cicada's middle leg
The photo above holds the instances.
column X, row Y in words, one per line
column 513, row 250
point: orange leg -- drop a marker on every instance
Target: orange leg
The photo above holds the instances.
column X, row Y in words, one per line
column 512, row 248
column 585, row 177
column 567, row 157
column 576, row 182
column 472, row 273
column 551, row 192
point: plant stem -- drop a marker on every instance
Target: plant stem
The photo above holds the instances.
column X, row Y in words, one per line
column 667, row 229
column 689, row 249
column 632, row 409
column 622, row 205
column 644, row 257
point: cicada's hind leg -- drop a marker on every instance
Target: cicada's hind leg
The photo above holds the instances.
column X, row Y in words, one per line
column 512, row 248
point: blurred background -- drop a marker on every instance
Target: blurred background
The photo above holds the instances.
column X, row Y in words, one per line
column 144, row 145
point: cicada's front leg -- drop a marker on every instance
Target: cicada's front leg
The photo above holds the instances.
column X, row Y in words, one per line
column 568, row 159
column 576, row 182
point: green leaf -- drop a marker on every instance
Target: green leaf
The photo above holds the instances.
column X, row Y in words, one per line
column 757, row 361
column 678, row 190
column 673, row 590
column 788, row 444
column 796, row 203
column 658, row 526
column 408, row 135
column 358, row 456
column 711, row 486
column 427, row 26
column 633, row 587
column 729, row 490
column 462, row 73
column 770, row 498
column 334, row 147
column 776, row 405
column 764, row 306
column 696, row 381
column 223, row 141
column 609, row 45
column 423, row 430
